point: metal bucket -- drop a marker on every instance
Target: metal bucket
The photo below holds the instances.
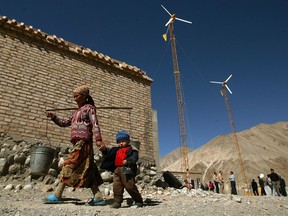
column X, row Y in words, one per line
column 136, row 144
column 41, row 159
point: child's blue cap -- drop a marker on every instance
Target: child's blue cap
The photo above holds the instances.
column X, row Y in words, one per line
column 122, row 135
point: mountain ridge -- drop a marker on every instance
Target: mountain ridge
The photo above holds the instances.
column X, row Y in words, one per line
column 262, row 147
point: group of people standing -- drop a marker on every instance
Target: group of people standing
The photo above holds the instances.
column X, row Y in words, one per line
column 274, row 182
column 218, row 183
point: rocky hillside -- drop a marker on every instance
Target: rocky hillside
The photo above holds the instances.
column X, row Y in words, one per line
column 171, row 158
column 262, row 147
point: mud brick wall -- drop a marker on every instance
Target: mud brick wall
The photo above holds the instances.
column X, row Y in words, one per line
column 36, row 75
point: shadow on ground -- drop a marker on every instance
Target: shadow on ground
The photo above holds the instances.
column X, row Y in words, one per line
column 129, row 201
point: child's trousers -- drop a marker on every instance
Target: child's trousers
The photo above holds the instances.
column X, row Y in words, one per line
column 121, row 181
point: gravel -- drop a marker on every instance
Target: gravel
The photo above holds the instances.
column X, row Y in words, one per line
column 157, row 202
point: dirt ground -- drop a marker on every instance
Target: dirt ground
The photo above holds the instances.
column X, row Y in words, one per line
column 29, row 202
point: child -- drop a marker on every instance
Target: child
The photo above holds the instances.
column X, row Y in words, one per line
column 122, row 161
column 211, row 186
column 80, row 170
column 254, row 187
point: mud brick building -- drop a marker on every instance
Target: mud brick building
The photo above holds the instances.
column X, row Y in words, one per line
column 38, row 71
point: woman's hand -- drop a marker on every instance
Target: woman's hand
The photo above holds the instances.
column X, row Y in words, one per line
column 100, row 145
column 49, row 115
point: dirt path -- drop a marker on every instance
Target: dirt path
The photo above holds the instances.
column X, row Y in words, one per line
column 29, row 202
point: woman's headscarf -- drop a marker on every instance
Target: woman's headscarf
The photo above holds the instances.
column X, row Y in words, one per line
column 83, row 90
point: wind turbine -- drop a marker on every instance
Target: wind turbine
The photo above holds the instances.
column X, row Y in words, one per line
column 224, row 93
column 171, row 20
column 180, row 104
column 224, row 84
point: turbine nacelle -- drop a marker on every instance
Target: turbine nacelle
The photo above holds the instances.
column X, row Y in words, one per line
column 173, row 17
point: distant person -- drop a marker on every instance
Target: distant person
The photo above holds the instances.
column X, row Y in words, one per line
column 211, row 186
column 216, row 182
column 275, row 181
column 192, row 183
column 206, row 187
column 262, row 184
column 282, row 187
column 221, row 181
column 202, row 186
column 232, row 183
column 269, row 185
column 187, row 184
column 254, row 187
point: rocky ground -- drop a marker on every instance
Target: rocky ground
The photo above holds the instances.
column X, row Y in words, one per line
column 28, row 201
column 21, row 193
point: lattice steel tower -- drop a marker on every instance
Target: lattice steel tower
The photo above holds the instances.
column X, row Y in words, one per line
column 179, row 95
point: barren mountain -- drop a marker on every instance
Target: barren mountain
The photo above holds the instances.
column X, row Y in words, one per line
column 171, row 158
column 261, row 147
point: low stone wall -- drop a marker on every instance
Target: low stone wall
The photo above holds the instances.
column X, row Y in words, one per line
column 15, row 155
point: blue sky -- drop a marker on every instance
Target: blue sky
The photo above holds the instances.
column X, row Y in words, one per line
column 246, row 38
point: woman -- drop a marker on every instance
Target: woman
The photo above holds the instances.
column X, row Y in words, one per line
column 80, row 170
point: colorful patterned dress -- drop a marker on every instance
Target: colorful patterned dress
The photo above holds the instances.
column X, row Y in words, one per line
column 79, row 169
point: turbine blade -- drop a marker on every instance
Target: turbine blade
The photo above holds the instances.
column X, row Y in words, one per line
column 183, row 20
column 228, row 89
column 216, row 82
column 170, row 20
column 221, row 92
column 166, row 10
column 167, row 30
column 228, row 78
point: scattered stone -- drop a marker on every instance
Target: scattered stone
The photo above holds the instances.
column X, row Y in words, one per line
column 27, row 161
column 10, row 159
column 106, row 192
column 15, row 148
column 3, row 166
column 20, row 158
column 53, row 172
column 9, row 187
column 71, row 189
column 28, row 179
column 18, row 187
column 152, row 173
column 14, row 168
column 107, row 176
column 237, row 199
column 27, row 187
column 48, row 180
column 60, row 162
column 47, row 188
